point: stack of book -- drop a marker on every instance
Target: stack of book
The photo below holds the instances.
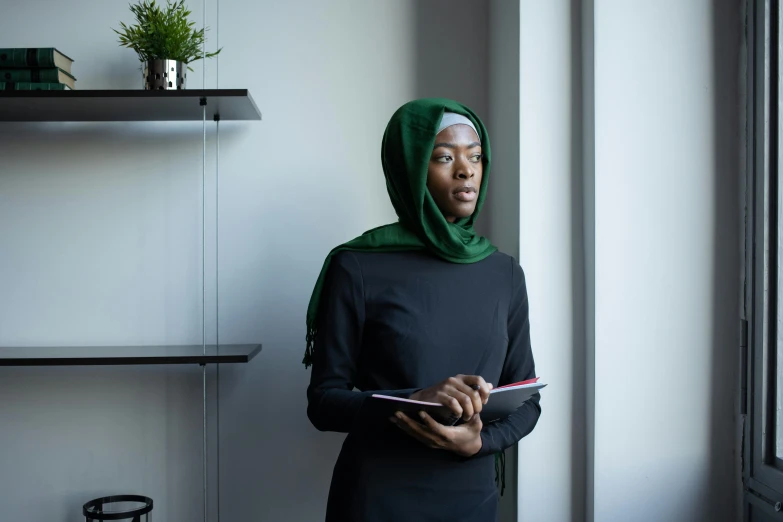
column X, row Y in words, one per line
column 35, row 69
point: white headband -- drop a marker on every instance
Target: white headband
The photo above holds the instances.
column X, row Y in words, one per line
column 452, row 118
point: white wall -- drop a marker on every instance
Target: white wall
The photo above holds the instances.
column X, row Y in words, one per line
column 550, row 478
column 666, row 259
column 100, row 244
column 658, row 237
column 502, row 208
column 100, row 238
column 501, row 215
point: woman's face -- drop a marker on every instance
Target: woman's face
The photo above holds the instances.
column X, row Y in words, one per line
column 455, row 170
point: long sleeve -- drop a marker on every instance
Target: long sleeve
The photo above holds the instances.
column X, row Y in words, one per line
column 333, row 405
column 518, row 366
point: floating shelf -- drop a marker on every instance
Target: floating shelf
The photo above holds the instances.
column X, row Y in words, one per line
column 126, row 355
column 127, row 105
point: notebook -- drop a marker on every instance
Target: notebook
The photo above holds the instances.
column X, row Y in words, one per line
column 503, row 401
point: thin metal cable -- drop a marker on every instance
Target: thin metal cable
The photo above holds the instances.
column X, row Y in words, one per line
column 204, row 48
column 217, row 304
column 203, row 198
column 217, row 260
column 204, row 298
column 217, row 45
column 203, row 264
column 204, row 410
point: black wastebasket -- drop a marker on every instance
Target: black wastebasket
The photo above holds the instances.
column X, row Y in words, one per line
column 118, row 507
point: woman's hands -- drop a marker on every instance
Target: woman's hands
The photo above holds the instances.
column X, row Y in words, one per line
column 464, row 395
column 464, row 440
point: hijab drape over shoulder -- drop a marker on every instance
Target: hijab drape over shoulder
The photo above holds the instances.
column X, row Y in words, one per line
column 405, row 155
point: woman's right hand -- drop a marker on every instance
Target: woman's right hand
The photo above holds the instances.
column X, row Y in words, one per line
column 464, row 395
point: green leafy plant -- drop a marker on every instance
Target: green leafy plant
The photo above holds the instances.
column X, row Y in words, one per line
column 163, row 34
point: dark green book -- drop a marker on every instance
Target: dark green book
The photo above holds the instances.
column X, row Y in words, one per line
column 50, row 75
column 34, row 57
column 33, row 86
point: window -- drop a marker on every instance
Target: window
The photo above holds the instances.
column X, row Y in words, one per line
column 762, row 386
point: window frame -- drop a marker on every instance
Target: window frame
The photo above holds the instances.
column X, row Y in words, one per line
column 762, row 469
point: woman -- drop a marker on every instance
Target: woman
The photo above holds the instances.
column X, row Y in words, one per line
column 423, row 309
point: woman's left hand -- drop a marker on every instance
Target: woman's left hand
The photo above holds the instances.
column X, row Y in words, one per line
column 464, row 440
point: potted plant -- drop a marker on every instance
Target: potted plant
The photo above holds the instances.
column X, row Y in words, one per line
column 165, row 42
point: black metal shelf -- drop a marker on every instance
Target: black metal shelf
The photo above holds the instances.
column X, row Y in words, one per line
column 127, row 105
column 126, row 355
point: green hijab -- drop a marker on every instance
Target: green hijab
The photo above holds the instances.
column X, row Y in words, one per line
column 405, row 155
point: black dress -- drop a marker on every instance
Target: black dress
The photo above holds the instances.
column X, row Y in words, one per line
column 395, row 323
